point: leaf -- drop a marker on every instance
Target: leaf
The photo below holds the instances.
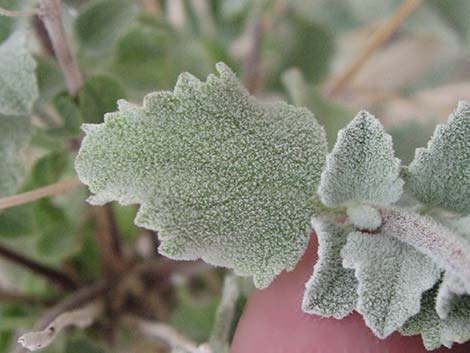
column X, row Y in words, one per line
column 70, row 115
column 18, row 84
column 435, row 331
column 98, row 96
column 450, row 288
column 440, row 173
column 17, row 221
column 50, row 78
column 332, row 289
column 151, row 57
column 217, row 174
column 364, row 217
column 101, row 22
column 286, row 48
column 392, row 277
column 361, row 168
column 15, row 132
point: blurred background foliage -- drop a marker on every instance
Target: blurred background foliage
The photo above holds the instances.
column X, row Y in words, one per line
column 289, row 50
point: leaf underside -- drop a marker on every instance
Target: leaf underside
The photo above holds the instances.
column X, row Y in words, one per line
column 392, row 277
column 332, row 289
column 219, row 175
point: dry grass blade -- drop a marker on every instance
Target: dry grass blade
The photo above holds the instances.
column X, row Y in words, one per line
column 383, row 33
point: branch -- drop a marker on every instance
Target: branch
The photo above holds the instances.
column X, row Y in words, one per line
column 151, row 6
column 382, row 34
column 50, row 12
column 82, row 318
column 108, row 240
column 252, row 61
column 54, row 276
column 58, row 188
column 20, row 298
column 78, row 299
column 163, row 332
column 449, row 250
column 17, row 13
column 220, row 336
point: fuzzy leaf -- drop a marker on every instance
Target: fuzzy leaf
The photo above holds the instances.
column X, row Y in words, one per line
column 332, row 289
column 15, row 132
column 450, row 288
column 392, row 277
column 440, row 173
column 364, row 217
column 217, row 174
column 435, row 331
column 18, row 84
column 361, row 168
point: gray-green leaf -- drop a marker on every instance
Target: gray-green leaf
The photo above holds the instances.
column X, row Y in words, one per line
column 392, row 277
column 362, row 167
column 100, row 23
column 218, row 175
column 440, row 173
column 435, row 331
column 18, row 83
column 15, row 132
column 332, row 289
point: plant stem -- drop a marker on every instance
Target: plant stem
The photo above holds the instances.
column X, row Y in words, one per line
column 76, row 300
column 54, row 276
column 381, row 35
column 50, row 12
column 108, row 240
column 17, row 13
column 20, row 298
column 58, row 188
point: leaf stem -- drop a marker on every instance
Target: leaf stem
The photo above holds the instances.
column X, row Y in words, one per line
column 54, row 276
column 58, row 188
column 50, row 12
column 381, row 35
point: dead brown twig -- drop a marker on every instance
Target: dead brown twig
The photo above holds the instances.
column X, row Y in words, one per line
column 382, row 34
column 54, row 276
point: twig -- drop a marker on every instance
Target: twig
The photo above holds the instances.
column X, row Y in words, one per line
column 251, row 63
column 219, row 340
column 42, row 36
column 176, row 13
column 17, row 13
column 205, row 17
column 58, row 188
column 50, row 12
column 20, row 298
column 151, row 6
column 108, row 240
column 382, row 34
column 74, row 301
column 54, row 276
column 82, row 318
column 163, row 332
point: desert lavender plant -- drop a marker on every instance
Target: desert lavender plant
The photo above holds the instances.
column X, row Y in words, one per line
column 236, row 182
